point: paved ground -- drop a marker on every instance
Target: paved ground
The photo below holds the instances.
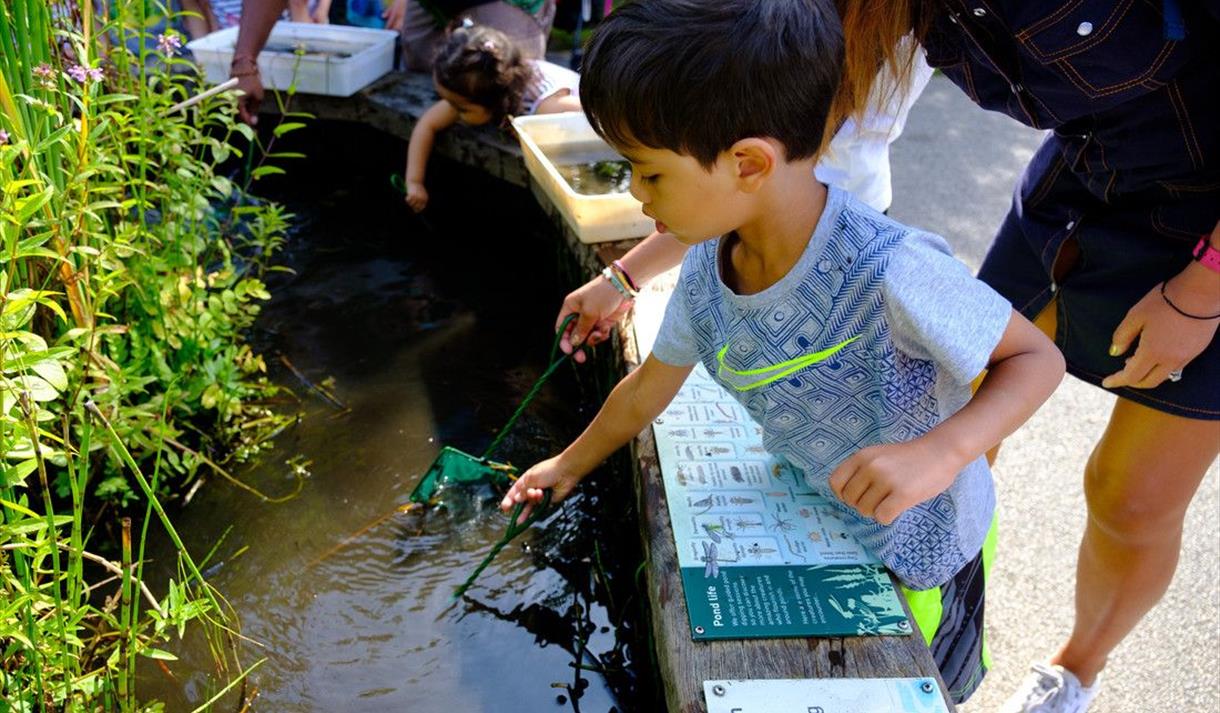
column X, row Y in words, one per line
column 954, row 171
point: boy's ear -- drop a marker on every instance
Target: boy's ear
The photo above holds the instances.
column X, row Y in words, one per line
column 754, row 159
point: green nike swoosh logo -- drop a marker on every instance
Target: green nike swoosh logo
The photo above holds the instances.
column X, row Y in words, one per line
column 776, row 371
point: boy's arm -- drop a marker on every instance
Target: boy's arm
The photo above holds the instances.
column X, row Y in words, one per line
column 439, row 117
column 884, row 481
column 635, row 402
column 600, row 306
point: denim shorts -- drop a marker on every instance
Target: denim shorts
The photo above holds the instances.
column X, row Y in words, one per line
column 1097, row 259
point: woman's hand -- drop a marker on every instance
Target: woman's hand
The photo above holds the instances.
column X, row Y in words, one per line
column 395, row 14
column 250, row 89
column 1168, row 341
column 600, row 307
column 417, row 196
column 528, row 488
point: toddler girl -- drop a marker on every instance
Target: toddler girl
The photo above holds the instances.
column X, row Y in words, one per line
column 482, row 78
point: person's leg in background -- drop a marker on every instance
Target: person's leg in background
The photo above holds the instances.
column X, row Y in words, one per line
column 529, row 32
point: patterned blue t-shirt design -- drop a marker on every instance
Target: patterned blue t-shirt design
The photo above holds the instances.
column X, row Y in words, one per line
column 864, row 391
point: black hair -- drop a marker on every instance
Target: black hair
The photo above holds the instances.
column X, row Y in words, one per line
column 484, row 66
column 695, row 77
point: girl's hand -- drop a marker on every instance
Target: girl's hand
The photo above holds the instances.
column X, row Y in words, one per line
column 417, row 196
column 395, row 14
column 600, row 307
column 1168, row 341
column 528, row 488
column 882, row 482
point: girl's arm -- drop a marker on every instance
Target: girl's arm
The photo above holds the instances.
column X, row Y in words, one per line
column 439, row 117
column 558, row 103
column 633, row 404
column 884, row 481
column 600, row 306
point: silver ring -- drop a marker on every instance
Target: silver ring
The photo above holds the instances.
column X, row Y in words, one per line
column 1175, row 375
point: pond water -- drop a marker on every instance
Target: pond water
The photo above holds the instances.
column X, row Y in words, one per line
column 595, row 178
column 432, row 331
column 591, row 168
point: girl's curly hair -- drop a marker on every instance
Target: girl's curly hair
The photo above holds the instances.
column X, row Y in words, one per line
column 484, row 66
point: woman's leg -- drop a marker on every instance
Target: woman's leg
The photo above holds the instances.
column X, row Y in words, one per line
column 420, row 38
column 1139, row 482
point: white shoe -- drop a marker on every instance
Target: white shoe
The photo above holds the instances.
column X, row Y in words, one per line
column 1051, row 689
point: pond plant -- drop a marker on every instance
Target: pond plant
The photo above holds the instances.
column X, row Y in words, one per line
column 132, row 264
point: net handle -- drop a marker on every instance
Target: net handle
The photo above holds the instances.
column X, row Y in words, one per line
column 529, row 396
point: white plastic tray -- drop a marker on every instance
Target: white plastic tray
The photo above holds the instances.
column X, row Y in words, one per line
column 594, row 218
column 339, row 60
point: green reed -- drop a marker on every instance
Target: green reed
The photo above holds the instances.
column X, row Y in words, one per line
column 132, row 265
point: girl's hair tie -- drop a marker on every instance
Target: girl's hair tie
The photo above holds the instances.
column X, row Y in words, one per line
column 489, row 46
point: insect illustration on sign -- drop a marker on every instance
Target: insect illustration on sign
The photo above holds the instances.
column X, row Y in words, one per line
column 782, row 524
column 712, row 570
column 757, row 550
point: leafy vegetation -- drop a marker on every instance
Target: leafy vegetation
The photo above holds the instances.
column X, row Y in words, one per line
column 132, row 263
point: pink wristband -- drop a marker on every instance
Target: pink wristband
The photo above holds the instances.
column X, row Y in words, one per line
column 1206, row 255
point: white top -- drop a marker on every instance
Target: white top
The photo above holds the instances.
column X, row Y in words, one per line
column 858, row 158
column 549, row 80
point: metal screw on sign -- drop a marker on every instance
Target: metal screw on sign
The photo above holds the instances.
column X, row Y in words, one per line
column 718, row 689
column 698, row 629
column 904, row 625
column 926, row 687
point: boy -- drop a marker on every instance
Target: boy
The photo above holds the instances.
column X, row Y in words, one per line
column 851, row 339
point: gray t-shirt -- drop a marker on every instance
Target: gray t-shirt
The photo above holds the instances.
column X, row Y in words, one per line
column 874, row 336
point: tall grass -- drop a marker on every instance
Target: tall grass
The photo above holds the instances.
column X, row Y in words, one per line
column 131, row 266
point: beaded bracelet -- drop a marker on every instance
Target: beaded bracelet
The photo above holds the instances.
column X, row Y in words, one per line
column 624, row 280
column 1179, row 310
column 618, row 265
column 612, row 277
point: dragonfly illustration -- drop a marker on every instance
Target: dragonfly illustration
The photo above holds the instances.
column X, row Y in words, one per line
column 712, row 570
column 711, row 560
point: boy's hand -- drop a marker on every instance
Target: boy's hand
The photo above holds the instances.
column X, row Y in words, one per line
column 882, row 482
column 600, row 307
column 417, row 196
column 528, row 488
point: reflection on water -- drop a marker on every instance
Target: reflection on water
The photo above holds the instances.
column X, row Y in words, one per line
column 428, row 343
column 595, row 178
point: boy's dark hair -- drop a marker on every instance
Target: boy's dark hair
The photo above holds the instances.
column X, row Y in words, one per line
column 695, row 77
column 483, row 65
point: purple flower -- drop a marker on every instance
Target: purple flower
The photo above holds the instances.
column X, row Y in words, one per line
column 169, row 42
column 83, row 74
column 3, row 137
column 46, row 75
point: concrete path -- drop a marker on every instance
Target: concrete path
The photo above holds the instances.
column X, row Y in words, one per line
column 954, row 172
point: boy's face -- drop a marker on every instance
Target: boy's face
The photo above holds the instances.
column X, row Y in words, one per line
column 686, row 200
